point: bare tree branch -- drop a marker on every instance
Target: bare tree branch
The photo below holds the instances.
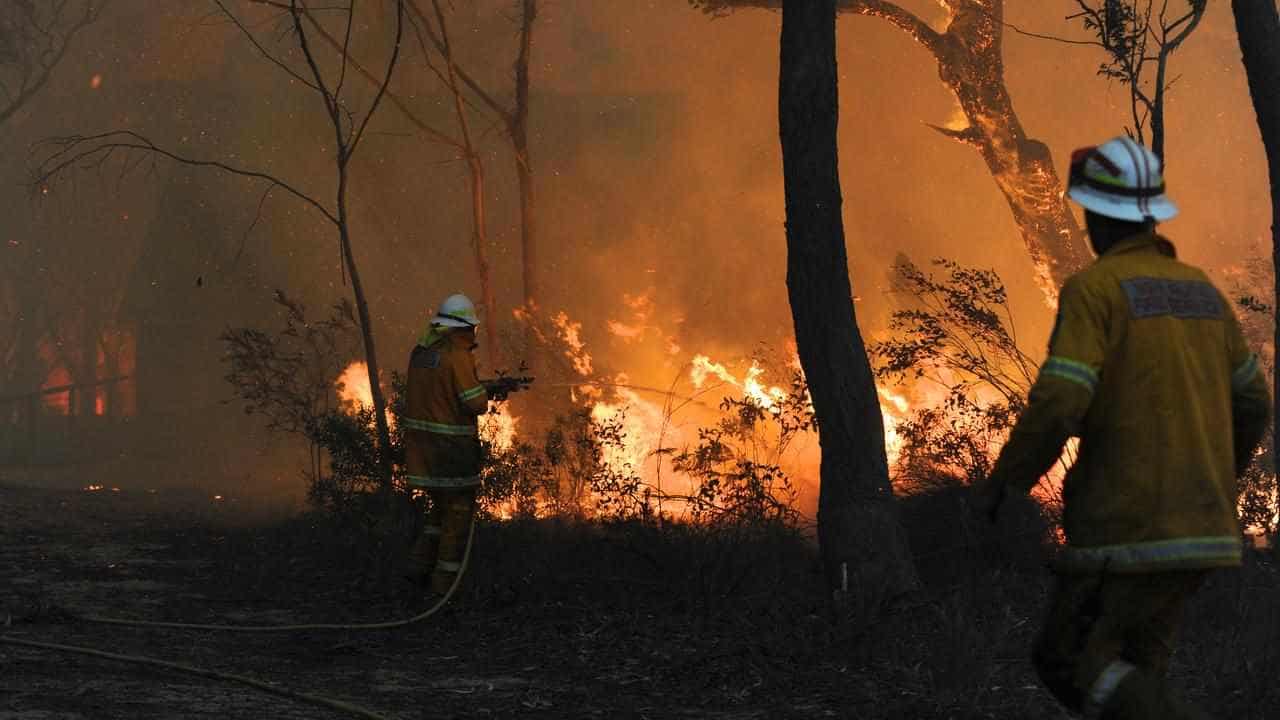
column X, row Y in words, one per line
column 261, row 49
column 94, row 150
column 18, row 54
column 895, row 14
column 386, row 80
column 392, row 97
column 497, row 107
column 1054, row 38
column 970, row 63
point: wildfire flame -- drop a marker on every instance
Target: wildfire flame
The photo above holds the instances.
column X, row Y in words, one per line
column 498, row 427
column 752, row 388
column 354, row 392
column 571, row 334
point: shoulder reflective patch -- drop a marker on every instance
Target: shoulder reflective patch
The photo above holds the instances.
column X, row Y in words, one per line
column 1072, row 370
column 425, row 358
column 1158, row 297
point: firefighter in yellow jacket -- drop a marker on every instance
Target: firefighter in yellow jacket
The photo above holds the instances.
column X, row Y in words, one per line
column 443, row 400
column 1148, row 367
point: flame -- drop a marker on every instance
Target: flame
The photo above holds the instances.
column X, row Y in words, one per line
column 571, row 334
column 94, row 488
column 641, row 307
column 893, row 409
column 624, row 331
column 353, row 385
column 354, row 392
column 646, row 428
column 752, row 388
column 499, row 427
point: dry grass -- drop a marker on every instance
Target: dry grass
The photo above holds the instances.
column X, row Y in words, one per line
column 582, row 620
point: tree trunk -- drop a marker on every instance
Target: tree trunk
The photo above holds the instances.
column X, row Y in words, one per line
column 971, row 63
column 366, row 333
column 476, row 185
column 863, row 546
column 970, row 58
column 519, row 131
column 1258, row 26
column 479, row 241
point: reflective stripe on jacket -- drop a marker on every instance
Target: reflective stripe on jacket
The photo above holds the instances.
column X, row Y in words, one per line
column 443, row 397
column 1148, row 366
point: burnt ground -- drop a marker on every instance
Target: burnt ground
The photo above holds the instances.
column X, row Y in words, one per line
column 556, row 620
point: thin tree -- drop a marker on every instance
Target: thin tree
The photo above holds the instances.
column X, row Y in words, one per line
column 1258, row 27
column 858, row 526
column 515, row 120
column 461, row 144
column 475, row 177
column 34, row 38
column 1139, row 38
column 969, row 54
column 71, row 153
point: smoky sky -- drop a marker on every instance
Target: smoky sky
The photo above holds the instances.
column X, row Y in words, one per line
column 654, row 142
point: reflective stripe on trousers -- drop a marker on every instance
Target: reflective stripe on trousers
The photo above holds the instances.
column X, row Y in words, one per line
column 436, row 481
column 438, row 428
column 1105, row 686
column 1192, row 552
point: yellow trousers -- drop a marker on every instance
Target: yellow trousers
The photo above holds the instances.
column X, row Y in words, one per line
column 439, row 548
column 1105, row 646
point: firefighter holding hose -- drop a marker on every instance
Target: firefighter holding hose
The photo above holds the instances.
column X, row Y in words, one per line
column 1148, row 367
column 444, row 400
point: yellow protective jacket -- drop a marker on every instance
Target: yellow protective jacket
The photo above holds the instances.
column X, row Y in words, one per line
column 443, row 400
column 1148, row 366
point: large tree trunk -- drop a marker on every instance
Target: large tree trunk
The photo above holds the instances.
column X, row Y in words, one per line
column 863, row 546
column 970, row 61
column 1258, row 26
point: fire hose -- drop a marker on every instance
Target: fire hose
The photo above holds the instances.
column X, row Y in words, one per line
column 260, row 685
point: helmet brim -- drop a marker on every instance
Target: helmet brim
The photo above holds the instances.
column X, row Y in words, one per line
column 1160, row 208
column 450, row 322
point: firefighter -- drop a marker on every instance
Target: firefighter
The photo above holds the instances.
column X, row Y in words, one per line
column 1148, row 367
column 444, row 399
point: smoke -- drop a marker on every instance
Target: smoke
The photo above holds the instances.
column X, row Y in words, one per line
column 654, row 140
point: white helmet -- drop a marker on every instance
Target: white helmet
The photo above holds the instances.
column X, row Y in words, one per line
column 456, row 311
column 1121, row 180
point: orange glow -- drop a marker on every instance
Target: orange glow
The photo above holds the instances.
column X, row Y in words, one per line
column 95, row 82
column 893, row 408
column 752, row 389
column 498, row 427
column 58, row 403
column 353, row 385
column 570, row 335
column 645, row 428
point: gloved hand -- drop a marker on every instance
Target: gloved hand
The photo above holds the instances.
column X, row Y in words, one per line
column 988, row 497
column 497, row 390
